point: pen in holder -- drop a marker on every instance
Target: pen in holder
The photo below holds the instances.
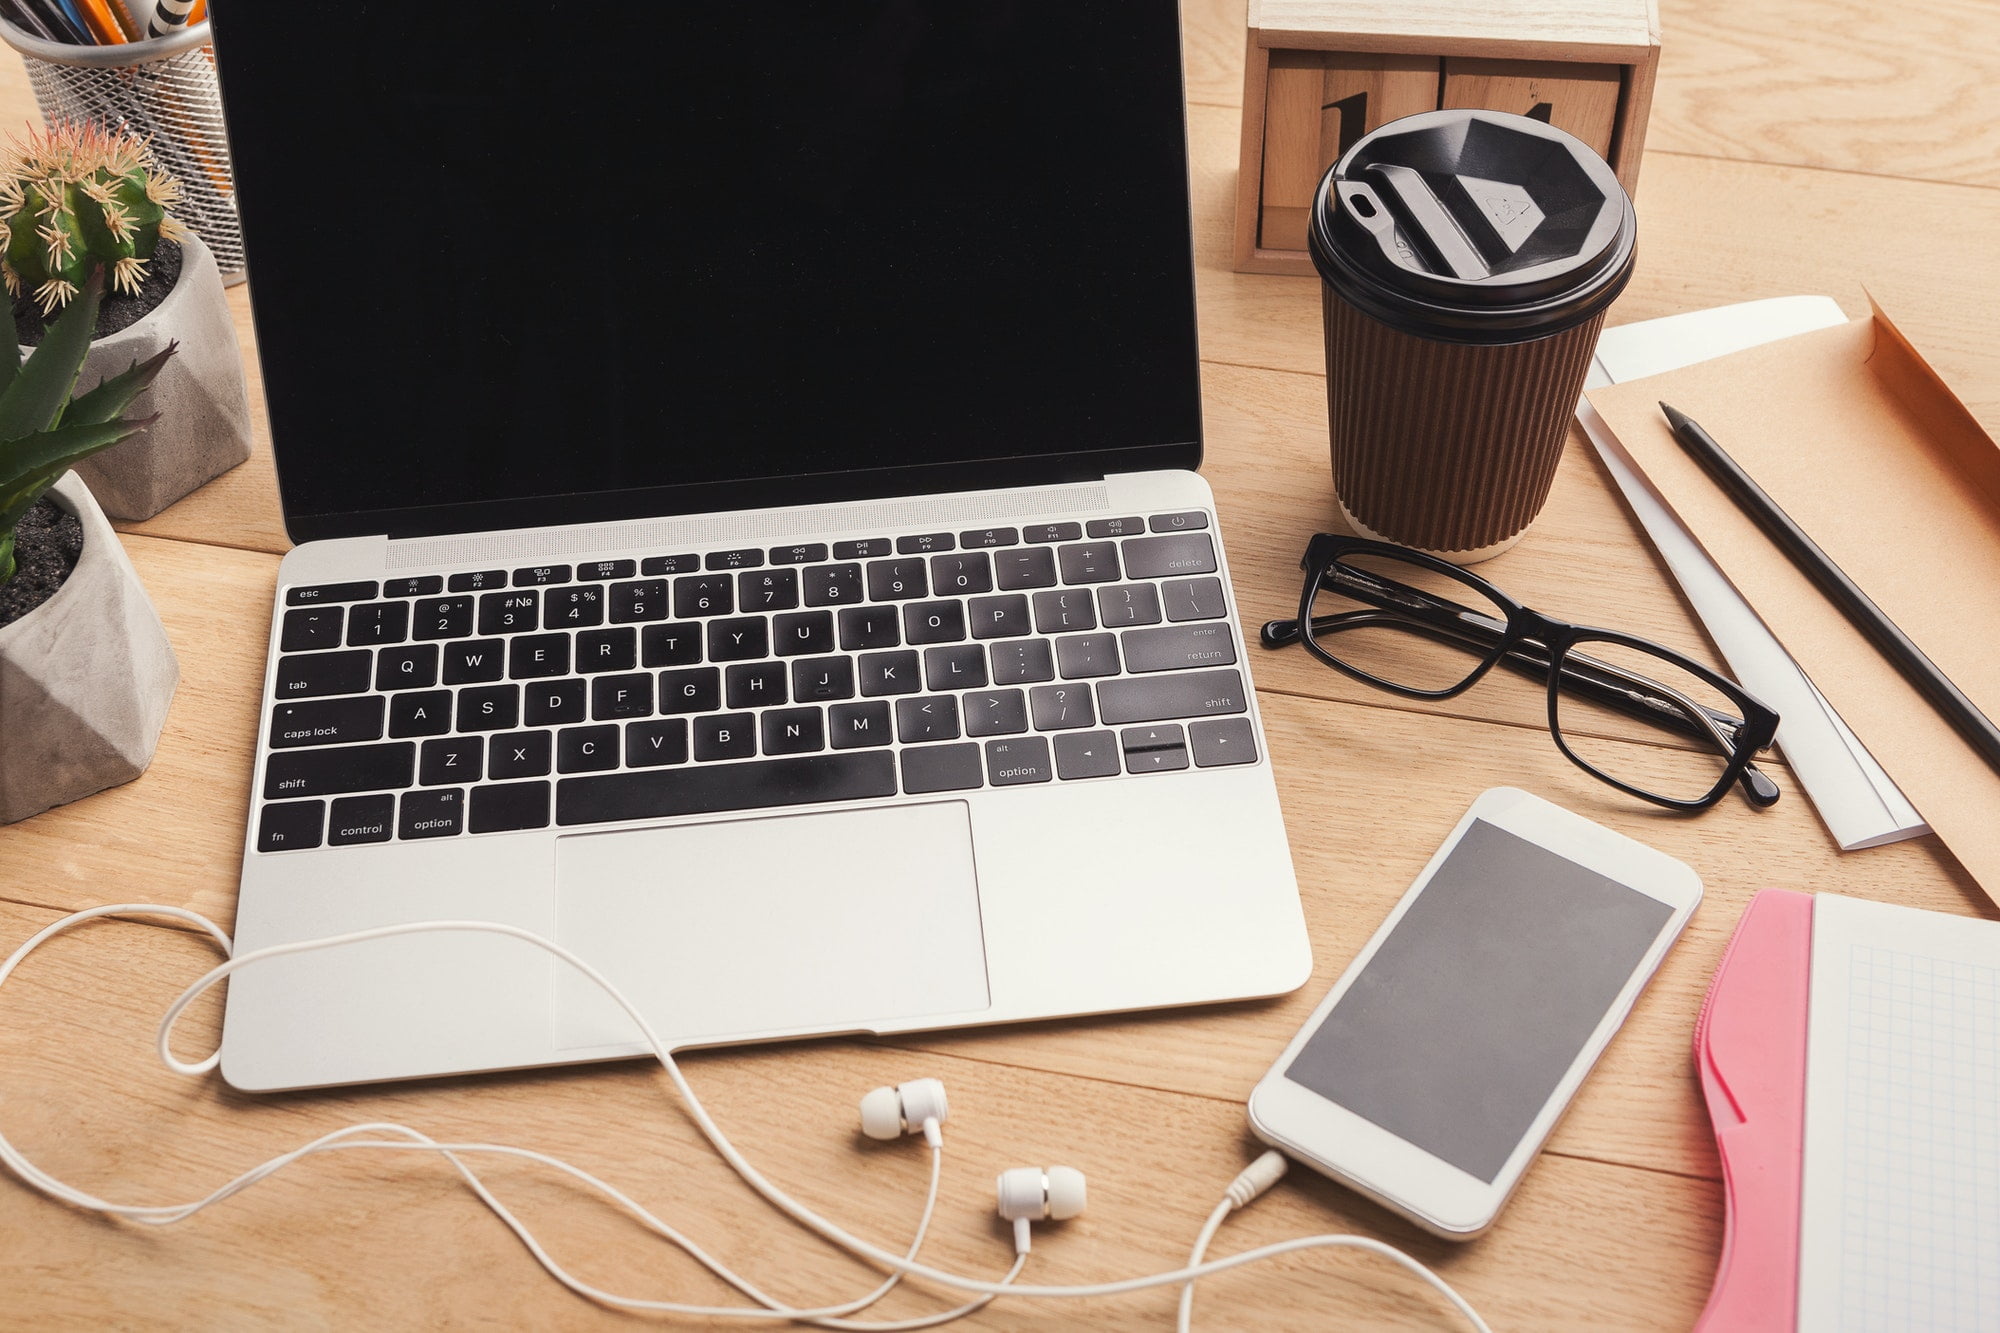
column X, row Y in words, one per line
column 162, row 89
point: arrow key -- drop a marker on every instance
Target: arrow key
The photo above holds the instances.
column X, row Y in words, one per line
column 1223, row 740
column 1086, row 754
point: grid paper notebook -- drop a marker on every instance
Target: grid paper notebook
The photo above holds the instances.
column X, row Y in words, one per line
column 1900, row 1216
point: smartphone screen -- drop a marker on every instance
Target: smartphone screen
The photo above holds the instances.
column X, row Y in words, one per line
column 1466, row 1018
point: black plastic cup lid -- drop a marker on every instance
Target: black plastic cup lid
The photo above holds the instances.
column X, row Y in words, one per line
column 1473, row 226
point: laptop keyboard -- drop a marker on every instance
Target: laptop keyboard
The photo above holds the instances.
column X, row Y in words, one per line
column 494, row 700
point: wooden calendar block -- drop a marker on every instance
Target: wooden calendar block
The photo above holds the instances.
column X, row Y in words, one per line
column 1582, row 99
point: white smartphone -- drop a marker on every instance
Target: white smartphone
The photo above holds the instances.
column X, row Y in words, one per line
column 1431, row 1074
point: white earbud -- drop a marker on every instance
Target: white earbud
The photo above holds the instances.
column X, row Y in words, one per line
column 1029, row 1194
column 907, row 1108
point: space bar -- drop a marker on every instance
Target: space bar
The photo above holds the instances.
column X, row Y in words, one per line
column 702, row 790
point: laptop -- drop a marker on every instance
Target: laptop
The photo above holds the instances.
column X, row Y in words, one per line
column 741, row 472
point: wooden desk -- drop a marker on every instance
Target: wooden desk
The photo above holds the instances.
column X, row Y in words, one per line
column 1795, row 147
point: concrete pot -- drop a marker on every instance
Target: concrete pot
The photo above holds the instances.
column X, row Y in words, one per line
column 204, row 425
column 85, row 678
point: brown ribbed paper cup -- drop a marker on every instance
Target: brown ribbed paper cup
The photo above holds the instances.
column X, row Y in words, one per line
column 1467, row 259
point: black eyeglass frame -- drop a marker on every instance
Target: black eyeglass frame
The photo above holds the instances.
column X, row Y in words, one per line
column 1757, row 728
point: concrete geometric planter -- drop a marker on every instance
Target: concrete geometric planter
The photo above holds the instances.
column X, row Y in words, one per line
column 204, row 425
column 85, row 678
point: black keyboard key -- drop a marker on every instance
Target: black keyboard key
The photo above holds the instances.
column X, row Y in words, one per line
column 676, row 644
column 1015, row 762
column 933, row 622
column 853, row 726
column 531, row 657
column 664, row 793
column 1221, row 741
column 755, row 684
column 424, row 714
column 519, row 754
column 414, row 667
column 586, row 749
column 994, row 712
column 942, row 768
column 988, row 537
column 327, row 722
column 823, row 679
column 924, row 543
column 1194, row 599
column 291, row 826
column 1174, row 647
column 489, row 707
column 889, row 673
column 801, row 633
column 660, row 741
column 577, row 606
column 451, row 759
column 541, row 576
column 472, row 661
column 442, row 618
column 357, row 819
column 318, row 593
column 792, row 730
column 509, row 806
column 833, row 585
column 644, row 600
column 621, row 697
column 1053, row 532
column 768, row 590
column 1128, row 604
column 865, row 549
column 697, row 690
column 739, row 640
column 1086, row 754
column 378, row 623
column 1021, row 662
column 747, row 558
column 1162, row 698
column 1115, row 527
column 1089, row 562
column 311, row 627
column 961, row 575
column 604, row 570
column 1001, row 617
column 725, row 736
column 669, row 564
column 607, row 649
column 423, row 585
column 704, row 595
column 483, row 580
column 510, row 612
column 931, row 717
column 805, row 553
column 1064, row 610
column 1156, row 749
column 1192, row 520
column 1081, row 656
column 1170, row 556
column 1061, row 707
column 1029, row 567
column 431, row 814
column 864, row 627
column 553, row 703
column 309, row 675
column 897, row 580
column 959, row 667
column 342, row 769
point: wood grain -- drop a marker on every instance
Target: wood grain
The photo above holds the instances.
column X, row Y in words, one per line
column 1582, row 99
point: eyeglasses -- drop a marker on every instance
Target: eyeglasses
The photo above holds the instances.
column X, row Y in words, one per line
column 1387, row 616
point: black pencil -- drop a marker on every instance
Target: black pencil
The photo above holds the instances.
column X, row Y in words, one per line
column 1841, row 590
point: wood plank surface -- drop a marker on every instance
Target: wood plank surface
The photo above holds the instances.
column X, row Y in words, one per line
column 1798, row 146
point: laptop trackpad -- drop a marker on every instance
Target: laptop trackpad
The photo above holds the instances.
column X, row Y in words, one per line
column 778, row 924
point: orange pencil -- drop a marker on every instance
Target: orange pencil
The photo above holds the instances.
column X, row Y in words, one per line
column 200, row 11
column 97, row 17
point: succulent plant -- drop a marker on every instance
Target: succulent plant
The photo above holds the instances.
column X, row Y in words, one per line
column 76, row 196
column 43, row 431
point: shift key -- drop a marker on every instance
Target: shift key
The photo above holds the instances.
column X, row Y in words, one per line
column 1159, row 698
column 340, row 769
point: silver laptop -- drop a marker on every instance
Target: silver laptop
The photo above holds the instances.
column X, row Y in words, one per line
column 746, row 532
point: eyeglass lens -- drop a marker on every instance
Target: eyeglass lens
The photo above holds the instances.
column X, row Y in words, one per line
column 1405, row 623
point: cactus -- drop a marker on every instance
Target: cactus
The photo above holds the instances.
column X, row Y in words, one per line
column 79, row 196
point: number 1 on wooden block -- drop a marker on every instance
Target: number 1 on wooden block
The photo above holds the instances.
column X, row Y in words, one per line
column 1318, row 105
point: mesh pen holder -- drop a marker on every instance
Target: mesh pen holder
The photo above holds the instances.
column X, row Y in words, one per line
column 163, row 89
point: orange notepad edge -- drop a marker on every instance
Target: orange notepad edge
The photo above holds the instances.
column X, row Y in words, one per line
column 1861, row 442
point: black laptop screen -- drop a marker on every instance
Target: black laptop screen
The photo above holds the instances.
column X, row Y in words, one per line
column 523, row 263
